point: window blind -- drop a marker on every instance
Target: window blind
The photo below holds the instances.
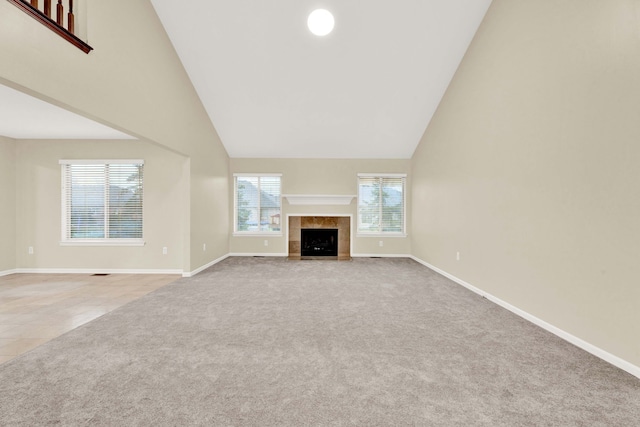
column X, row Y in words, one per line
column 102, row 200
column 381, row 204
column 257, row 203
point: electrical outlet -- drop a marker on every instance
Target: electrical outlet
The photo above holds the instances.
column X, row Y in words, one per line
column 204, row 247
column 164, row 250
column 30, row 250
column 380, row 243
column 266, row 242
column 457, row 256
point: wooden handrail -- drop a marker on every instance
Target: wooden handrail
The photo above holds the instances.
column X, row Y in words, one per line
column 44, row 17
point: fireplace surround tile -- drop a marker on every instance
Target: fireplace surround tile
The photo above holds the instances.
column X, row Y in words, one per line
column 342, row 223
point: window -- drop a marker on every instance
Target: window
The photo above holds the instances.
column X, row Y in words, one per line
column 102, row 201
column 381, row 204
column 257, row 203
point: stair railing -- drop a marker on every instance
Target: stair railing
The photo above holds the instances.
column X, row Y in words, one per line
column 58, row 22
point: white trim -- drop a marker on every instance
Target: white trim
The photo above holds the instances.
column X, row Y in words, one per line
column 204, row 267
column 103, row 242
column 258, row 234
column 380, row 256
column 381, row 235
column 8, row 272
column 258, row 254
column 100, row 161
column 578, row 342
column 320, row 214
column 97, row 271
column 257, row 174
column 319, row 199
column 382, row 175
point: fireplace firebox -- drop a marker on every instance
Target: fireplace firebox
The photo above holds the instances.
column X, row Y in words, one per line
column 319, row 241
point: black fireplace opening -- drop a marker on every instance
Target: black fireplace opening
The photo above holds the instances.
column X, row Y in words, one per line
column 319, row 242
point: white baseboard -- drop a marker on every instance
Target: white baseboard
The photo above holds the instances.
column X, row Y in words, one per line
column 96, row 271
column 282, row 254
column 590, row 348
column 271, row 254
column 7, row 272
column 204, row 267
column 380, row 256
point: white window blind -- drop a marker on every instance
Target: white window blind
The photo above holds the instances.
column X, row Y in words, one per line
column 257, row 203
column 381, row 204
column 102, row 200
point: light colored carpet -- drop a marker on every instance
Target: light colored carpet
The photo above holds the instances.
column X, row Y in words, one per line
column 265, row 342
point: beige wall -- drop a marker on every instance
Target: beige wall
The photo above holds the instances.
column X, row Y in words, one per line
column 132, row 80
column 39, row 207
column 7, row 204
column 530, row 168
column 320, row 177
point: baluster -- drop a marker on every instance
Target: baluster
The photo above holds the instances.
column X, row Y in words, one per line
column 71, row 24
column 34, row 3
column 59, row 13
column 47, row 8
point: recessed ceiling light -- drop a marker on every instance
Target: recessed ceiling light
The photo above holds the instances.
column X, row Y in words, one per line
column 320, row 22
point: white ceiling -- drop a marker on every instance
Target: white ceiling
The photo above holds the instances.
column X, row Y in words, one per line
column 25, row 117
column 367, row 90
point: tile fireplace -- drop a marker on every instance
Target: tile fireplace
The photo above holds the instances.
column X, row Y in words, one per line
column 320, row 233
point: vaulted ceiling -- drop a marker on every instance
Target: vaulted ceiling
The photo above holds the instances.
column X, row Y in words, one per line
column 366, row 90
column 273, row 89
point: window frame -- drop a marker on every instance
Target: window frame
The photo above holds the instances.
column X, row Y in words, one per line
column 379, row 232
column 65, row 239
column 242, row 233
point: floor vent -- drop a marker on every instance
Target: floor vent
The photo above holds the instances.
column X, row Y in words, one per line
column 100, row 274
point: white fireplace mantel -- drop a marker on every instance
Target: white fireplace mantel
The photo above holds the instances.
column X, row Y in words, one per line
column 318, row 199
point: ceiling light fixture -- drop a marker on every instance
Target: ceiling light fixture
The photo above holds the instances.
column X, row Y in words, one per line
column 320, row 22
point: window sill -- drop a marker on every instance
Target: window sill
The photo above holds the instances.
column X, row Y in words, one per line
column 401, row 235
column 257, row 234
column 110, row 242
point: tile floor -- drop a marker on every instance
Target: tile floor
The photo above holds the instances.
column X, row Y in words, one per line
column 35, row 308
